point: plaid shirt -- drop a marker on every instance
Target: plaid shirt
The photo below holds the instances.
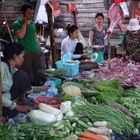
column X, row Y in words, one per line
column 132, row 44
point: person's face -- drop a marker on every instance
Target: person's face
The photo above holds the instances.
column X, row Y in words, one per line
column 99, row 20
column 19, row 59
column 29, row 13
column 74, row 35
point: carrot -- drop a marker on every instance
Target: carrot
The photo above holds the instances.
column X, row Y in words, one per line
column 91, row 136
column 82, row 138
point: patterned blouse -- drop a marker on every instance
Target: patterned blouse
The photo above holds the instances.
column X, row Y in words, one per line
column 98, row 37
column 131, row 43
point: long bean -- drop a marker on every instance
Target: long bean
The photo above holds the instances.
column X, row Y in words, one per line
column 116, row 119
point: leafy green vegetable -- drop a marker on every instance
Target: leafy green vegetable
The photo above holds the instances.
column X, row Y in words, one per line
column 109, row 91
column 66, row 97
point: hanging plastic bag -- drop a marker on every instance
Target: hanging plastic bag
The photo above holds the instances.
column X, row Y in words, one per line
column 48, row 41
column 124, row 9
column 81, row 39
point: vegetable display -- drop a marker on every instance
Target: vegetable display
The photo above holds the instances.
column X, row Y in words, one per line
column 132, row 102
column 53, row 71
column 117, row 121
column 108, row 91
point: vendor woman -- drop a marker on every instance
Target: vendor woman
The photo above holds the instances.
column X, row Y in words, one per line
column 71, row 45
column 131, row 42
column 97, row 35
column 15, row 83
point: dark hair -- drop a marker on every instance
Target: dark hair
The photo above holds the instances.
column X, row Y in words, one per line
column 26, row 6
column 10, row 50
column 71, row 28
column 99, row 14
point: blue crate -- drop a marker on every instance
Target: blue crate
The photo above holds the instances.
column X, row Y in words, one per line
column 71, row 68
column 59, row 64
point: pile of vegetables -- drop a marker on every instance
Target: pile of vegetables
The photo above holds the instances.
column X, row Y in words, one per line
column 45, row 115
column 132, row 102
column 117, row 121
column 109, row 91
column 53, row 71
column 26, row 131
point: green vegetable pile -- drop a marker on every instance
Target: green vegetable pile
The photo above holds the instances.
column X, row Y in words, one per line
column 53, row 71
column 31, row 131
column 26, row 131
column 132, row 102
column 117, row 121
column 109, row 91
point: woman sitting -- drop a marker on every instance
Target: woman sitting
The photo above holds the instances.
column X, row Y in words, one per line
column 71, row 45
column 15, row 83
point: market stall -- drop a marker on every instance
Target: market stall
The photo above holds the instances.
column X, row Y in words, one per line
column 97, row 104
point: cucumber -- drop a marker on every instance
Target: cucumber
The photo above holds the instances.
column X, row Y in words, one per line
column 83, row 124
column 57, row 124
column 60, row 127
column 90, row 124
column 69, row 126
column 74, row 124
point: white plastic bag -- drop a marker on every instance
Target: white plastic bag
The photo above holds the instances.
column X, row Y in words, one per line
column 65, row 106
column 124, row 7
column 81, row 39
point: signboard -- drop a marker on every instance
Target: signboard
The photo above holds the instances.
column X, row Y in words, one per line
column 137, row 13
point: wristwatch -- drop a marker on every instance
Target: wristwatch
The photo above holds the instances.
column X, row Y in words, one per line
column 13, row 105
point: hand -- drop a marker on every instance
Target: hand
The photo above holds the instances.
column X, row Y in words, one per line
column 2, row 119
column 85, row 55
column 23, row 108
column 25, row 19
column 44, row 88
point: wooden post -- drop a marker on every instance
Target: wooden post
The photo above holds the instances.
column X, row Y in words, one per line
column 51, row 33
column 74, row 18
column 109, row 53
column 0, row 87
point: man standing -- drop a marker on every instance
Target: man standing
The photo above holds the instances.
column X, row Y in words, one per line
column 25, row 31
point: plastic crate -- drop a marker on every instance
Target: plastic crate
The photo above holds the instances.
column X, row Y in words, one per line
column 59, row 64
column 71, row 68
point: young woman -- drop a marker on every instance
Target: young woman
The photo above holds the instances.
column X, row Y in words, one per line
column 97, row 34
column 71, row 45
column 15, row 83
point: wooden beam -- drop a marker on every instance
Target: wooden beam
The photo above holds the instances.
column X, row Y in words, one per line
column 51, row 33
